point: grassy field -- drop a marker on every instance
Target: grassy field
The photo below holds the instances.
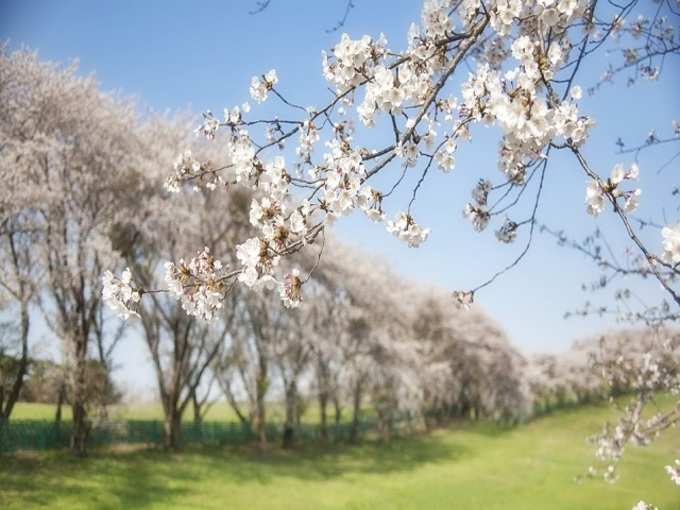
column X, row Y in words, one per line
column 221, row 411
column 33, row 411
column 477, row 466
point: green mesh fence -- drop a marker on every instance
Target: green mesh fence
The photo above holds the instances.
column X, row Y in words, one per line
column 44, row 435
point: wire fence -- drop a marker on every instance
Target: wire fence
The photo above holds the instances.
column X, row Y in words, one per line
column 46, row 435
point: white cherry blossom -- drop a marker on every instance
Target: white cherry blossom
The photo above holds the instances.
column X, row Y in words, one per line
column 119, row 293
column 594, row 198
column 671, row 243
column 674, row 472
column 406, row 229
column 261, row 85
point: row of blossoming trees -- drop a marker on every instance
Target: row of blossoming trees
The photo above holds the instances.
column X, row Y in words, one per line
column 84, row 194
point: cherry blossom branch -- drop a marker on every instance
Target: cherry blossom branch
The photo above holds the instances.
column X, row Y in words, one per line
column 653, row 260
column 525, row 250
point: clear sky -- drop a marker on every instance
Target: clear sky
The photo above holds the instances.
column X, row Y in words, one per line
column 175, row 55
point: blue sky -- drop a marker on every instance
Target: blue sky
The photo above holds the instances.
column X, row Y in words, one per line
column 174, row 55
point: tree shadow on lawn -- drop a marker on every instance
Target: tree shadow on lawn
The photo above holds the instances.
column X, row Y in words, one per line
column 484, row 428
column 105, row 479
column 139, row 477
column 328, row 461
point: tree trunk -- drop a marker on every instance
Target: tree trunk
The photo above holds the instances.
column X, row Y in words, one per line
column 234, row 405
column 7, row 401
column 7, row 404
column 323, row 425
column 172, row 438
column 260, row 425
column 60, row 402
column 80, row 425
column 338, row 410
column 291, row 416
column 356, row 413
column 80, row 430
column 384, row 423
column 261, row 412
column 198, row 417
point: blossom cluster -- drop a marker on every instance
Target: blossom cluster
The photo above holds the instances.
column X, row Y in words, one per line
column 476, row 211
column 188, row 168
column 641, row 505
column 352, row 60
column 445, row 158
column 342, row 173
column 463, row 299
column 529, row 121
column 199, row 284
column 258, row 262
column 647, row 367
column 261, row 85
column 290, row 290
column 671, row 243
column 119, row 293
column 406, row 229
column 309, row 136
column 674, row 472
column 507, row 232
column 596, row 190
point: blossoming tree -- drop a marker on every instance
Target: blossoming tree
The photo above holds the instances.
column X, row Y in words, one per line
column 67, row 151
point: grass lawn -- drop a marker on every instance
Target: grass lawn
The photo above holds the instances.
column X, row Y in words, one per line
column 221, row 411
column 35, row 411
column 467, row 467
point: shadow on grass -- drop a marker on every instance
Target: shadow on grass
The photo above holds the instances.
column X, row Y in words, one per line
column 484, row 428
column 116, row 478
column 319, row 462
column 105, row 479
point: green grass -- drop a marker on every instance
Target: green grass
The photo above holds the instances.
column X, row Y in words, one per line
column 35, row 411
column 477, row 466
column 221, row 411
